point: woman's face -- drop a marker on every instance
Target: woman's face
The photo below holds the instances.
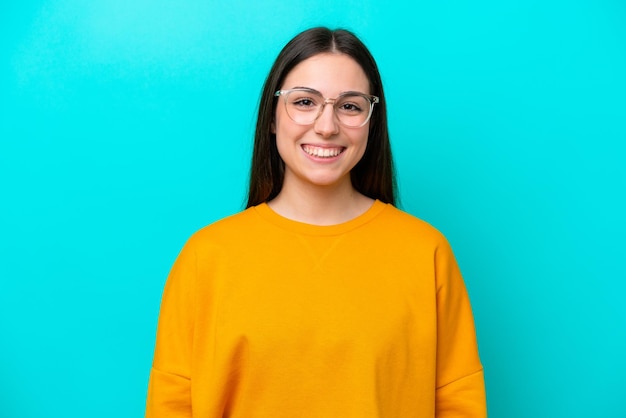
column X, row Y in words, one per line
column 324, row 152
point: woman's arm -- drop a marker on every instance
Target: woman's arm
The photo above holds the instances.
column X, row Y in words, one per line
column 169, row 390
column 460, row 390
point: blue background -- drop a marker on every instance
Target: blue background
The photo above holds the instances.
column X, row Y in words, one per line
column 127, row 125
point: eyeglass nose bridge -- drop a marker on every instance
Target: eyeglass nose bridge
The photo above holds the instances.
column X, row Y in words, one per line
column 329, row 101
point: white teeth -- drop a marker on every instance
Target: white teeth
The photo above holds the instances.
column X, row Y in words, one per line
column 322, row 152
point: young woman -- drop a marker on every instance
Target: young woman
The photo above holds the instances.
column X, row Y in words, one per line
column 321, row 299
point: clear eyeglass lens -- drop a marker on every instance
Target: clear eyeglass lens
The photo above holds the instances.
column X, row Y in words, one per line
column 304, row 107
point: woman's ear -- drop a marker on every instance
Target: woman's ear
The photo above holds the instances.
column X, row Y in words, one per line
column 273, row 128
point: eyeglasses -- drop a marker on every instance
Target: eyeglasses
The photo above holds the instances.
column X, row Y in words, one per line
column 304, row 106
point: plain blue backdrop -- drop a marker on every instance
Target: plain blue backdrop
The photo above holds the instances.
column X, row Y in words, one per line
column 126, row 125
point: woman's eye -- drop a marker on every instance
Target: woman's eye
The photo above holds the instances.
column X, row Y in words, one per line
column 350, row 107
column 304, row 102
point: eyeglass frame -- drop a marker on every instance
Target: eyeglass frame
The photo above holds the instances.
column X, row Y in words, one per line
column 370, row 98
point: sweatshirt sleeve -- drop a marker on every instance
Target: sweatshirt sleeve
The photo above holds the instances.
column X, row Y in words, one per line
column 460, row 389
column 169, row 389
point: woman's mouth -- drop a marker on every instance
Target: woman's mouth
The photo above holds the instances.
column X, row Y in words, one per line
column 323, row 152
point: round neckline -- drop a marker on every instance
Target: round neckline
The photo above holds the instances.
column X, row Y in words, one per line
column 269, row 215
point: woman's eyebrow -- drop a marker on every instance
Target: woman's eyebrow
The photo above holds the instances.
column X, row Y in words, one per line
column 307, row 88
column 353, row 92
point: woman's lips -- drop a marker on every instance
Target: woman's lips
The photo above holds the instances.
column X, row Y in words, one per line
column 322, row 152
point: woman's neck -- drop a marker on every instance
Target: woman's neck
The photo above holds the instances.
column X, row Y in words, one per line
column 320, row 205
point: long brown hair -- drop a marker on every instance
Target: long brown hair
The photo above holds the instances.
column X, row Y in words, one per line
column 374, row 174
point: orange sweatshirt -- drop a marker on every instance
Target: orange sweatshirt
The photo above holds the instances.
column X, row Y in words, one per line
column 267, row 317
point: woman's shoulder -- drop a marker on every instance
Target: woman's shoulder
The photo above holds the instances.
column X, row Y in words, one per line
column 232, row 227
column 406, row 225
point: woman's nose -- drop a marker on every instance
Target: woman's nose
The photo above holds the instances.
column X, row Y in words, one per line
column 327, row 124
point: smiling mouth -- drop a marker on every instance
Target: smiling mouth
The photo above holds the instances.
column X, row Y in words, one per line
column 322, row 152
